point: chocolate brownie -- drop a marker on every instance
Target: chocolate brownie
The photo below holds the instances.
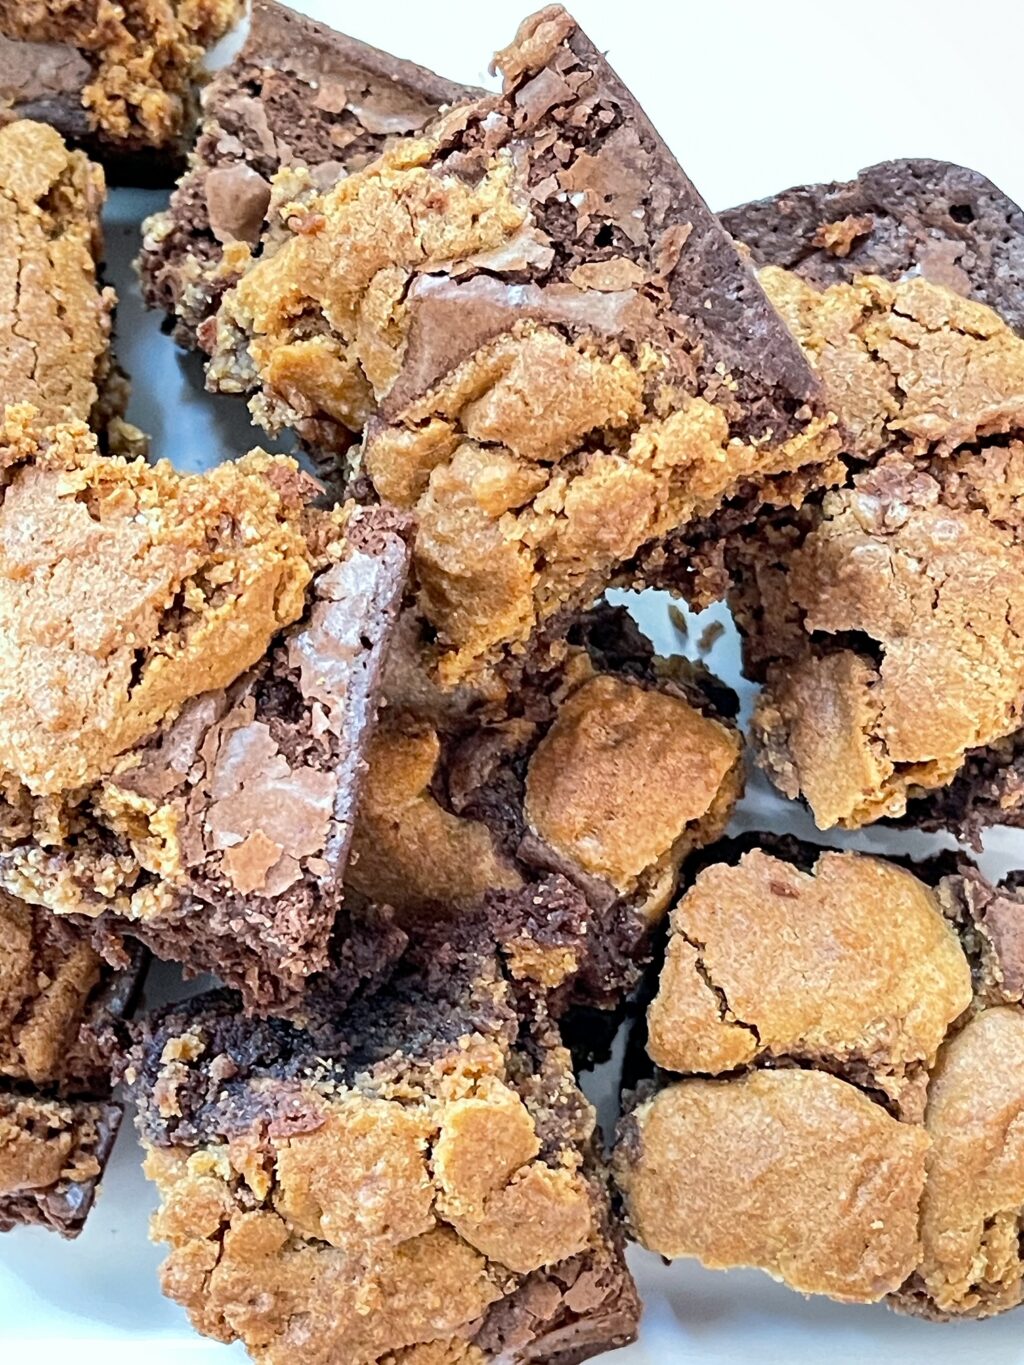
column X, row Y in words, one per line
column 946, row 223
column 190, row 670
column 116, row 79
column 883, row 618
column 416, row 1177
column 840, row 1044
column 561, row 352
column 56, row 317
column 61, row 1008
column 297, row 95
column 576, row 801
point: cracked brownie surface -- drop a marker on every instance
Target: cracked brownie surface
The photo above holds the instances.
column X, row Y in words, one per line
column 192, row 663
column 416, row 1178
column 602, row 772
column 884, row 619
column 117, row 78
column 297, row 95
column 56, row 320
column 60, row 1007
column 840, row 1088
column 560, row 353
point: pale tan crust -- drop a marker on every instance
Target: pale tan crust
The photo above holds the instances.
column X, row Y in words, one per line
column 144, row 56
column 852, row 962
column 795, row 1172
column 44, row 1143
column 851, row 1112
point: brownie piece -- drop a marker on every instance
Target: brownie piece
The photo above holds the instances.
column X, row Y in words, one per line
column 561, row 351
column 191, row 666
column 60, row 1038
column 415, row 1177
column 946, row 223
column 571, row 806
column 297, row 94
column 118, row 80
column 883, row 618
column 840, row 1044
column 55, row 332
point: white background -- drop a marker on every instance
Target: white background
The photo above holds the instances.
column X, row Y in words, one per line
column 752, row 96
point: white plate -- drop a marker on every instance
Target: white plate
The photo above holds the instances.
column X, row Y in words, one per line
column 752, row 97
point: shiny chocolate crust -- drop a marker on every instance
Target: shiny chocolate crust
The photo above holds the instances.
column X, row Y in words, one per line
column 859, row 1021
column 119, row 81
column 297, row 94
column 569, row 808
column 486, row 1220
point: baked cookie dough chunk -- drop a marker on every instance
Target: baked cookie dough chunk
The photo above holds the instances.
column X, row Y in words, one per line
column 885, row 620
column 418, row 1178
column 119, row 79
column 297, row 95
column 55, row 319
column 190, row 667
column 60, row 1010
column 563, row 354
column 841, row 1093
column 571, row 809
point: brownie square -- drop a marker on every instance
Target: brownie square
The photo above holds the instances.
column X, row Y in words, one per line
column 61, row 1013
column 418, row 1173
column 219, row 683
column 558, row 350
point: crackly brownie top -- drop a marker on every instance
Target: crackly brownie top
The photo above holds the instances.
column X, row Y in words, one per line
column 567, row 354
column 56, row 320
column 902, row 648
column 606, row 768
column 129, row 588
column 130, row 66
column 420, row 1170
column 842, row 1024
column 944, row 222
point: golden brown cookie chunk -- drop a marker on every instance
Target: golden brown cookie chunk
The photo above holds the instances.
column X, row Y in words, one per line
column 297, row 94
column 191, row 665
column 885, row 620
column 118, row 77
column 850, row 963
column 433, row 1181
column 564, row 355
column 921, row 567
column 54, row 317
column 795, row 1172
column 608, row 769
column 850, row 1037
